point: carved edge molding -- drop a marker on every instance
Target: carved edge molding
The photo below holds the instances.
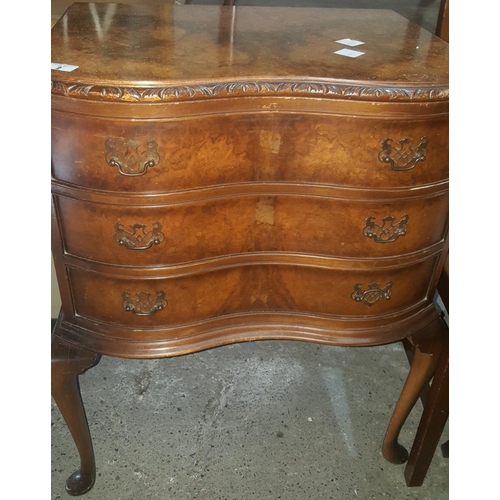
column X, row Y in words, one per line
column 235, row 89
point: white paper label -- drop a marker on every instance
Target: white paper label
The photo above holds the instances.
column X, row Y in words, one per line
column 62, row 67
column 351, row 43
column 349, row 53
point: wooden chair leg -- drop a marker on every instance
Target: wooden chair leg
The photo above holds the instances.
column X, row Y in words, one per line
column 432, row 423
column 67, row 363
column 428, row 345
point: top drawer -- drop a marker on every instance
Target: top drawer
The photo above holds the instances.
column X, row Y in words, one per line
column 162, row 156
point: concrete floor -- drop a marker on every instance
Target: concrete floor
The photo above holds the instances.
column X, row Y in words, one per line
column 263, row 420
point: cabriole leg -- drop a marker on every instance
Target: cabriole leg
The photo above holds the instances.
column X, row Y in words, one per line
column 67, row 363
column 432, row 423
column 428, row 345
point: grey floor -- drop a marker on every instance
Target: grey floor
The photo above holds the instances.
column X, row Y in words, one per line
column 262, row 420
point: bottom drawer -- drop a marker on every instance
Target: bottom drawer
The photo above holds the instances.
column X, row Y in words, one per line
column 164, row 302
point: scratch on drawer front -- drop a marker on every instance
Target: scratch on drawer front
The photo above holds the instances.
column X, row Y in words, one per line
column 272, row 105
column 264, row 210
column 270, row 140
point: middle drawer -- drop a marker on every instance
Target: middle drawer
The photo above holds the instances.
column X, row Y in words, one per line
column 190, row 231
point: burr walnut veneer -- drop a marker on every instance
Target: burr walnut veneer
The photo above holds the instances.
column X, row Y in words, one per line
column 220, row 175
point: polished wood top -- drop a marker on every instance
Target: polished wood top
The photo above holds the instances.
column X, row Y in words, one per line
column 146, row 46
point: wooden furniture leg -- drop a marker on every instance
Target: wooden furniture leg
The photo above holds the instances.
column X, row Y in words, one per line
column 428, row 345
column 432, row 423
column 68, row 362
column 435, row 403
column 410, row 354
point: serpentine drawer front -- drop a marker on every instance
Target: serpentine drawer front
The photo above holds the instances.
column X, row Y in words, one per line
column 264, row 187
column 169, row 155
column 197, row 296
column 181, row 232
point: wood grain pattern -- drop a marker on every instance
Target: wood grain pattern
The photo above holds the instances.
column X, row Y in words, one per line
column 282, row 51
column 217, row 182
column 247, row 288
column 248, row 224
column 263, row 147
column 254, row 185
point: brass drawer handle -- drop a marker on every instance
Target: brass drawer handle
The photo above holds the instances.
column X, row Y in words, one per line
column 138, row 239
column 403, row 156
column 144, row 305
column 373, row 294
column 388, row 231
column 130, row 157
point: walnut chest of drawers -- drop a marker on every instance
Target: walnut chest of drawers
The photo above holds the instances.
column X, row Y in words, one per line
column 223, row 175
